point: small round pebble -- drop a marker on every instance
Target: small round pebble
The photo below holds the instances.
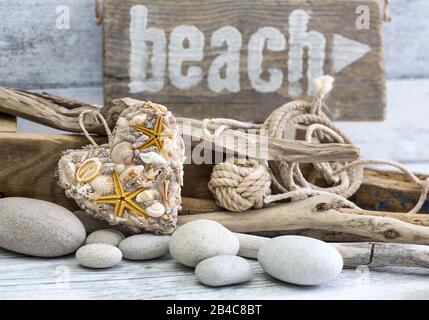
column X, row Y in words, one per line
column 300, row 260
column 223, row 271
column 145, row 246
column 98, row 255
column 106, row 236
column 201, row 239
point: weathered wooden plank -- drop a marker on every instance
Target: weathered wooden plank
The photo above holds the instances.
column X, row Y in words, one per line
column 388, row 191
column 191, row 73
column 21, row 277
column 29, row 162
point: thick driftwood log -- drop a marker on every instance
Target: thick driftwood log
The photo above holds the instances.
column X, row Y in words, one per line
column 62, row 113
column 306, row 215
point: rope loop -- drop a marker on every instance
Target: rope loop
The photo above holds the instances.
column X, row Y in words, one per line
column 97, row 118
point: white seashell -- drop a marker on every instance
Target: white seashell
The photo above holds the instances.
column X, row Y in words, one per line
column 156, row 210
column 138, row 120
column 122, row 152
column 89, row 169
column 146, row 195
column 131, row 173
column 121, row 123
column 103, row 185
column 119, row 168
column 66, row 172
column 152, row 157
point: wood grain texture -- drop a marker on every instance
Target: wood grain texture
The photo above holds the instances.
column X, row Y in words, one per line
column 7, row 123
column 29, row 163
column 346, row 101
column 22, row 277
column 388, row 191
column 63, row 113
column 306, row 215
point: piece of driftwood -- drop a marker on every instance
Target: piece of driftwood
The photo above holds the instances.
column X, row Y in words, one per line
column 370, row 254
column 241, row 59
column 306, row 214
column 388, row 191
column 7, row 123
column 63, row 113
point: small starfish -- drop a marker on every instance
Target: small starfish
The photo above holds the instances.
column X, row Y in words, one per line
column 122, row 199
column 155, row 135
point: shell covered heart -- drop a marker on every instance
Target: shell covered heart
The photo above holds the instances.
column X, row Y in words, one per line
column 134, row 180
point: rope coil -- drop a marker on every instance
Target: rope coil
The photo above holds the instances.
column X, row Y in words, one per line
column 234, row 186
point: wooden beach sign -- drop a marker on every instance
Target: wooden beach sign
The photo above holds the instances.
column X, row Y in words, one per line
column 242, row 59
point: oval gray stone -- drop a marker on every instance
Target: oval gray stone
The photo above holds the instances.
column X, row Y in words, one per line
column 300, row 260
column 39, row 228
column 145, row 246
column 223, row 271
column 98, row 255
column 107, row 236
column 201, row 239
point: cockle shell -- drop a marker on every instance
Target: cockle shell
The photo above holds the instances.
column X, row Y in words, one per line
column 131, row 173
column 156, row 210
column 122, row 152
column 146, row 195
column 89, row 169
column 103, row 185
column 66, row 172
column 152, row 157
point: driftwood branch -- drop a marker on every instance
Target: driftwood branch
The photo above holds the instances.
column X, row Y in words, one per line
column 370, row 254
column 307, row 215
column 62, row 113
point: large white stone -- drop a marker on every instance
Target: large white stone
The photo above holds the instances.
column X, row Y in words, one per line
column 202, row 239
column 39, row 228
column 300, row 260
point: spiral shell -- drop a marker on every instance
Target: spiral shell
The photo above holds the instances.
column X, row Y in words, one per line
column 102, row 185
column 89, row 169
column 122, row 152
column 156, row 210
column 66, row 172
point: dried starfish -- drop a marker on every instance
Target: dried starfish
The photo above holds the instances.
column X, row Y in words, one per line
column 155, row 135
column 122, row 200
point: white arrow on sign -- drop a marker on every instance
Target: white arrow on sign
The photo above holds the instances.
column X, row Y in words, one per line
column 346, row 51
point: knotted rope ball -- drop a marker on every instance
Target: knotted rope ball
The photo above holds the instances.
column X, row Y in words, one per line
column 240, row 184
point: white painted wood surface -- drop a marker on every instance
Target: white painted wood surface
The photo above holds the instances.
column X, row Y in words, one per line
column 62, row 278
